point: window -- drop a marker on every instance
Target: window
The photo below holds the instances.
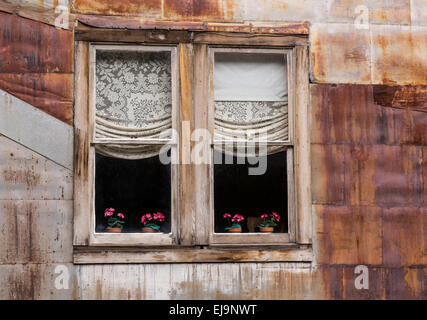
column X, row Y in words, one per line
column 251, row 126
column 195, row 129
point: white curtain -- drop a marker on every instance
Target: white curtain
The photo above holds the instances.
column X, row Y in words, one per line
column 250, row 97
column 133, row 100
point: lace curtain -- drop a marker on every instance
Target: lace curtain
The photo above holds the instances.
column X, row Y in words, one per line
column 133, row 100
column 250, row 98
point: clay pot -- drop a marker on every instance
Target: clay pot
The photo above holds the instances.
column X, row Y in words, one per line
column 266, row 230
column 114, row 230
column 148, row 230
column 235, row 230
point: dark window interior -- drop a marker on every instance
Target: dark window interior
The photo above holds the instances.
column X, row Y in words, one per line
column 134, row 187
column 251, row 195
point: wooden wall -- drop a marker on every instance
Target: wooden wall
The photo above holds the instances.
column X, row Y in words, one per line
column 369, row 157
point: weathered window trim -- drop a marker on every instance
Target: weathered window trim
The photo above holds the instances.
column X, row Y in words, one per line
column 256, row 238
column 193, row 243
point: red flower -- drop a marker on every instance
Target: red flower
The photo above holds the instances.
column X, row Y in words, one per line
column 237, row 218
column 121, row 215
column 226, row 215
column 264, row 216
column 276, row 216
column 108, row 212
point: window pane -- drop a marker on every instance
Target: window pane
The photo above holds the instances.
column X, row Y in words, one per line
column 134, row 187
column 251, row 195
column 133, row 100
column 251, row 96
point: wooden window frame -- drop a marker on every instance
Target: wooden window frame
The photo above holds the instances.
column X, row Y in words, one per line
column 131, row 239
column 193, row 241
column 254, row 238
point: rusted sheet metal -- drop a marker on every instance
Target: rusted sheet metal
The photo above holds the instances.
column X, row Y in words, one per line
column 140, row 23
column 391, row 65
column 32, row 47
column 324, row 11
column 148, row 8
column 47, row 11
column 349, row 235
column 344, row 53
column 36, row 65
column 412, row 97
column 378, row 11
column 49, row 92
column 384, row 175
column 384, row 283
column 404, row 236
column 364, row 114
column 340, row 53
column 330, row 187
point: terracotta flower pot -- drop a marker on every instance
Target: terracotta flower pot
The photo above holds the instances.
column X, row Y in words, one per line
column 266, row 230
column 235, row 230
column 114, row 230
column 148, row 230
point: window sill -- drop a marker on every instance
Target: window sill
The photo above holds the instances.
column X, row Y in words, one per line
column 99, row 255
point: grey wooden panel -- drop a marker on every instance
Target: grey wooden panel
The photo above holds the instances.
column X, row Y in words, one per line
column 36, row 231
column 196, row 281
column 37, row 281
column 36, row 130
column 25, row 174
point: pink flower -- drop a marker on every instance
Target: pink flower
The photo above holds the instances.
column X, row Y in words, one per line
column 108, row 212
column 149, row 216
column 121, row 215
column 264, row 216
column 276, row 216
column 237, row 218
column 143, row 220
column 226, row 215
column 159, row 216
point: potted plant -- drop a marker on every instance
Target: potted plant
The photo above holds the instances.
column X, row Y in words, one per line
column 115, row 222
column 268, row 222
column 233, row 222
column 152, row 221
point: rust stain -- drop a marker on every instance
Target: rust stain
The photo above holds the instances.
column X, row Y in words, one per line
column 28, row 46
column 51, row 92
column 26, row 176
column 412, row 97
column 114, row 7
column 36, row 65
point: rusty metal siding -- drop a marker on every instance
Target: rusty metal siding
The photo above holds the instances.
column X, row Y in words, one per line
column 36, row 64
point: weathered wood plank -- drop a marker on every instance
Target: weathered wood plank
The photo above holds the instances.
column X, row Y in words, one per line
column 134, row 23
column 84, row 33
column 248, row 39
column 302, row 151
column 191, row 255
column 186, row 213
column 36, row 231
column 201, row 165
column 81, row 146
